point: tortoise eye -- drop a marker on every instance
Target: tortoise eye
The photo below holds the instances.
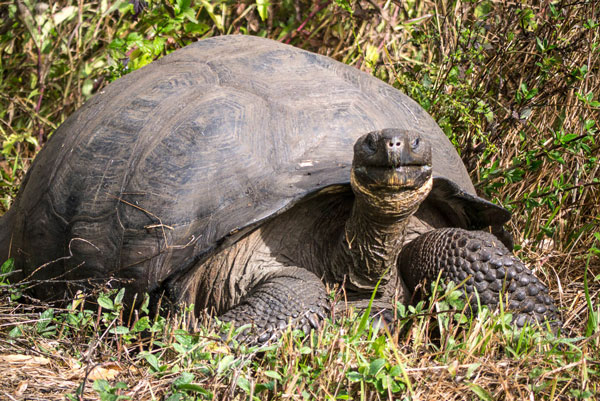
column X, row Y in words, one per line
column 415, row 143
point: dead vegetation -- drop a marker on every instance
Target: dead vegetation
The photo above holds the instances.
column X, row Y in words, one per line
column 514, row 85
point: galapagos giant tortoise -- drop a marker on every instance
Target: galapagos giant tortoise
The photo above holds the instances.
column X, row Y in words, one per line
column 243, row 175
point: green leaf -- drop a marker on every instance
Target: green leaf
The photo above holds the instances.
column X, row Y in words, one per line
column 125, row 7
column 345, row 4
column 225, row 363
column 471, row 369
column 305, row 350
column 27, row 18
column 152, row 360
column 199, row 28
column 262, row 6
column 556, row 155
column 372, row 55
column 243, row 383
column 142, row 324
column 15, row 332
column 190, row 15
column 269, row 386
column 45, row 319
column 176, row 397
column 145, row 303
column 185, row 378
column 379, row 345
column 376, row 366
column 105, row 302
column 184, row 338
column 273, row 375
column 195, row 388
column 119, row 330
column 108, row 392
column 396, row 370
column 483, row 9
column 119, row 297
column 354, row 376
column 182, row 6
column 8, row 266
column 367, row 313
column 64, row 14
column 179, row 348
column 481, row 393
column 134, row 38
column 209, row 7
column 87, row 87
column 568, row 138
column 101, row 385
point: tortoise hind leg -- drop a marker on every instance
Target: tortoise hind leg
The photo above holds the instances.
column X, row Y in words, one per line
column 291, row 295
column 6, row 228
column 487, row 266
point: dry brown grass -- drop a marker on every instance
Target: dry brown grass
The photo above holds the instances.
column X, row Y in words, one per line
column 406, row 44
column 554, row 222
column 38, row 368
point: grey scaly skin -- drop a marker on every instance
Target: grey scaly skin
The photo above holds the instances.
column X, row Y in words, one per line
column 391, row 177
column 490, row 271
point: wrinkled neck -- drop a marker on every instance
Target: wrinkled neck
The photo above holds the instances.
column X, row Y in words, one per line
column 372, row 238
column 373, row 243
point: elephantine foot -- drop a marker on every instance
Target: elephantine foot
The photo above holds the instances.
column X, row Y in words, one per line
column 292, row 296
column 487, row 268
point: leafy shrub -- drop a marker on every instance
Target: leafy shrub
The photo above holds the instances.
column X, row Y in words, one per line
column 514, row 86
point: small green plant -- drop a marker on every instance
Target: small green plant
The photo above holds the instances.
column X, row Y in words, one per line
column 514, row 87
column 183, row 388
column 593, row 308
column 108, row 392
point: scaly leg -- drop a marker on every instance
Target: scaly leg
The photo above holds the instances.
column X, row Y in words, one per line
column 493, row 271
column 291, row 295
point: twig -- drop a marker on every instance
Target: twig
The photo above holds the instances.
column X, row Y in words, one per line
column 539, row 154
column 288, row 38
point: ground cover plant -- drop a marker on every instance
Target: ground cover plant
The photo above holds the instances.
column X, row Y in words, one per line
column 514, row 85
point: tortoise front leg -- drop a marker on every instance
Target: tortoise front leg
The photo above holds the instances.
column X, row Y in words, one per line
column 488, row 267
column 292, row 295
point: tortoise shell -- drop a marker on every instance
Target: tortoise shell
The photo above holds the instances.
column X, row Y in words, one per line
column 171, row 161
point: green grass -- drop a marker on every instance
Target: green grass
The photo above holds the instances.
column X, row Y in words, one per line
column 434, row 352
column 515, row 87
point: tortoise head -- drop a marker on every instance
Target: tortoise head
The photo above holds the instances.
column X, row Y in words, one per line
column 391, row 171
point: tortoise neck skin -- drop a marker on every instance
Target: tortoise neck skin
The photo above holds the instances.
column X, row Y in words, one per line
column 374, row 234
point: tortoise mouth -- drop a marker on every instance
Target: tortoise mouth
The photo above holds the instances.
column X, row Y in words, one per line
column 393, row 179
column 392, row 160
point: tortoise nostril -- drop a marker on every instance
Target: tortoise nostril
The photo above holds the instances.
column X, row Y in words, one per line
column 397, row 143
